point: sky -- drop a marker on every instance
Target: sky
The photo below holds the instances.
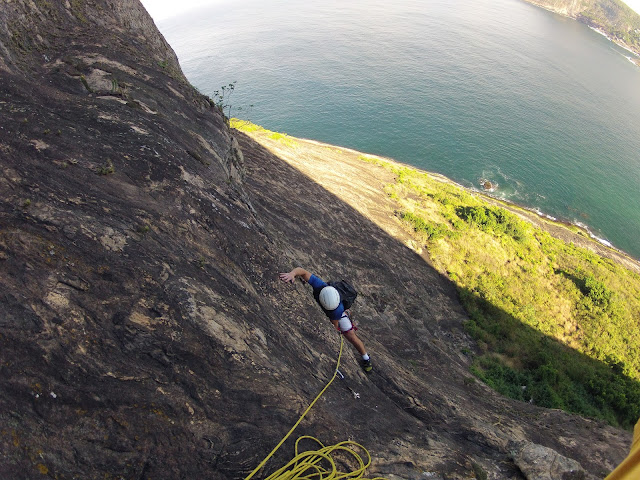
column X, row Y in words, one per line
column 635, row 4
column 163, row 9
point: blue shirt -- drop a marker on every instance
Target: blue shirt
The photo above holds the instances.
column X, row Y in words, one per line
column 318, row 284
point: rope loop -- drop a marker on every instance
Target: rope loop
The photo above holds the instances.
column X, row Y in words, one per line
column 320, row 464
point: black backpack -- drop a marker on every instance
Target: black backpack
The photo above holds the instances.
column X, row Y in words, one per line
column 347, row 293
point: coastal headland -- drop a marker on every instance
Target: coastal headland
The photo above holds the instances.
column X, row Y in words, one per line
column 615, row 20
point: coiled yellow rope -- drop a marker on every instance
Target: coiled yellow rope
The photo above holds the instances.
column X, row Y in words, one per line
column 312, row 465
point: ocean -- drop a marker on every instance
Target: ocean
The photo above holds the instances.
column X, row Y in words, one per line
column 543, row 107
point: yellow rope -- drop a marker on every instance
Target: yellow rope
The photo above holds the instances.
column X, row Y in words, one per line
column 308, row 465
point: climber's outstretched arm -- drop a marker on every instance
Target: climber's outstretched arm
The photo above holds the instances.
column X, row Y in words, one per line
column 296, row 272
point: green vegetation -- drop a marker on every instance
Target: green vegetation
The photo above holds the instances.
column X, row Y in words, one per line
column 77, row 7
column 556, row 324
column 282, row 138
column 85, row 83
column 106, row 169
column 221, row 99
column 479, row 471
column 614, row 17
column 248, row 127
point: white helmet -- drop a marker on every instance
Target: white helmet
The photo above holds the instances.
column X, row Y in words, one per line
column 329, row 298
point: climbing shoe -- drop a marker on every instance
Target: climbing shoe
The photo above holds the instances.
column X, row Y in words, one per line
column 366, row 365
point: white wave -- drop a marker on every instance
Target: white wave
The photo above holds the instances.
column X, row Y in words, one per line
column 601, row 240
column 599, row 31
column 544, row 215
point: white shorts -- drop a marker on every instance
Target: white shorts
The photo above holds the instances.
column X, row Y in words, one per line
column 345, row 324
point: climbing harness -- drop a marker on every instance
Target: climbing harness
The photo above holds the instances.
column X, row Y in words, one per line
column 307, row 465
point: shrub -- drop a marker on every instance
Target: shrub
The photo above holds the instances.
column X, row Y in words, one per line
column 596, row 291
column 420, row 225
column 494, row 220
column 501, row 378
column 106, row 169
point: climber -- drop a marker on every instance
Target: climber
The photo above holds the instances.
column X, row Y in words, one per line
column 329, row 300
column 629, row 469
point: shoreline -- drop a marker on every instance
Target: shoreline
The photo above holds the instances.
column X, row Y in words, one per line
column 635, row 61
column 576, row 228
column 568, row 223
column 582, row 230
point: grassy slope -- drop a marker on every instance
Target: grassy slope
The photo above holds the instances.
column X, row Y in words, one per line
column 529, row 296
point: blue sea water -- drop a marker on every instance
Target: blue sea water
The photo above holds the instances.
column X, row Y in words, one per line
column 473, row 89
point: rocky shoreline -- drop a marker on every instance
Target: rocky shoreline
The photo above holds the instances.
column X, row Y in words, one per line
column 565, row 12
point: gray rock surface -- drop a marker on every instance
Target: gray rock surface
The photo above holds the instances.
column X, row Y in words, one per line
column 542, row 463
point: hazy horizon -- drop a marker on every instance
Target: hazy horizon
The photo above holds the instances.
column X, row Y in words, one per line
column 164, row 9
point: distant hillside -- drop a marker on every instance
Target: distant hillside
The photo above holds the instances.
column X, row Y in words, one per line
column 613, row 17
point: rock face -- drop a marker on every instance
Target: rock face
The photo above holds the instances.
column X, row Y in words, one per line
column 541, row 463
column 143, row 331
